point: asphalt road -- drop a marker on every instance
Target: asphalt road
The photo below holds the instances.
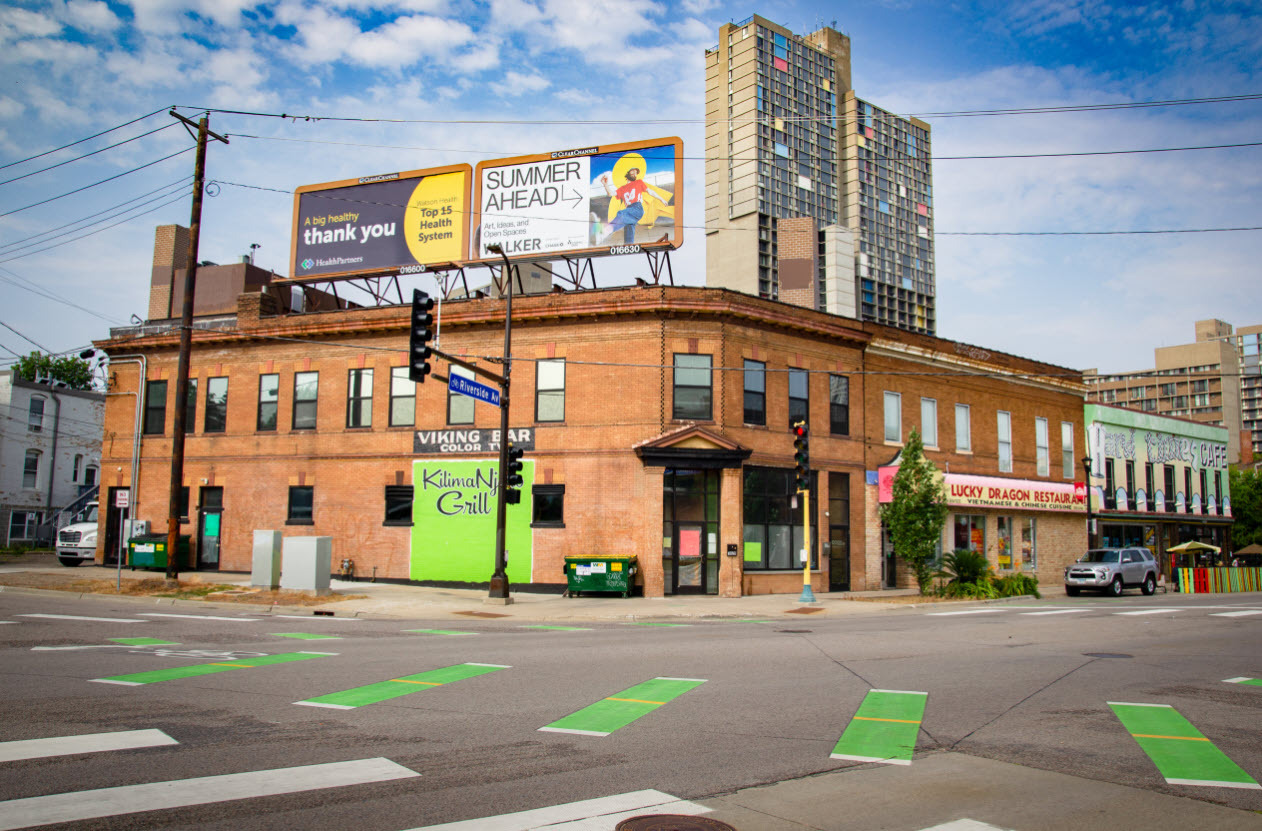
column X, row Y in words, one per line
column 1016, row 731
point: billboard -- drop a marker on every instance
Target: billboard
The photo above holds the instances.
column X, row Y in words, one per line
column 613, row 199
column 392, row 222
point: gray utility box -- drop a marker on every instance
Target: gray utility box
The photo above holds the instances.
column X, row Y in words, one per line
column 265, row 570
column 308, row 564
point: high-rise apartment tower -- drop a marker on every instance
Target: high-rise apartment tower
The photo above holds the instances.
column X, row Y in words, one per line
column 814, row 196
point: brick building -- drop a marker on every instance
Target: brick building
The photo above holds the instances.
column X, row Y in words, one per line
column 655, row 422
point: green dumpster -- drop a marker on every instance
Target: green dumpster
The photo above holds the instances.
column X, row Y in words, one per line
column 150, row 551
column 600, row 573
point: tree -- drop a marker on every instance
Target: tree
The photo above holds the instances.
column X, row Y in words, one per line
column 918, row 511
column 1245, row 487
column 73, row 372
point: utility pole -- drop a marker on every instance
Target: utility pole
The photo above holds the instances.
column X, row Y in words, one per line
column 186, row 343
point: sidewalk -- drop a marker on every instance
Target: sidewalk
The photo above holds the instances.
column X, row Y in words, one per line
column 392, row 600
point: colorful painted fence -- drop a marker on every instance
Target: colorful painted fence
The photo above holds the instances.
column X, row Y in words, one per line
column 1218, row 580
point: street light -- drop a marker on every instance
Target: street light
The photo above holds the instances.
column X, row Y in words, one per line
column 1086, row 464
column 499, row 580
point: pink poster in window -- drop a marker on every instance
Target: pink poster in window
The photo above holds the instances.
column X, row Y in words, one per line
column 779, row 64
column 689, row 542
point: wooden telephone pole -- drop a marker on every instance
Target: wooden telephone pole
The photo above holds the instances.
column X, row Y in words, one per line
column 186, row 343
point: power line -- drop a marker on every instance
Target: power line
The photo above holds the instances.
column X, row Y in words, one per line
column 622, row 121
column 82, row 140
column 26, row 285
column 24, row 337
column 94, row 184
column 10, row 245
column 87, row 155
column 930, row 158
column 936, row 233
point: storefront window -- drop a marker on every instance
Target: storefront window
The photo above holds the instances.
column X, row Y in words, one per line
column 1029, row 545
column 773, row 524
column 970, row 532
column 1004, row 534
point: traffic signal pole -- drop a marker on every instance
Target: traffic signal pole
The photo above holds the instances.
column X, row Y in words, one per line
column 802, row 479
column 499, row 580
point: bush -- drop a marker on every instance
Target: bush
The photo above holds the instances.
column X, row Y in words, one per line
column 984, row 590
column 1016, row 585
column 964, row 566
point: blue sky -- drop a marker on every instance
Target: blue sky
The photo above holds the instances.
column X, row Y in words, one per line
column 629, row 71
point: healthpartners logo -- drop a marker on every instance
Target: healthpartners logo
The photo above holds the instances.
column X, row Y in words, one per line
column 309, row 263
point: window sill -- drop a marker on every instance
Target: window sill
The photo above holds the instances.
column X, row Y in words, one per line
column 396, row 524
column 547, row 525
column 300, row 522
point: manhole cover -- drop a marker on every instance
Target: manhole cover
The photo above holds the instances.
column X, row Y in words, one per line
column 805, row 610
column 672, row 822
column 1107, row 655
column 794, row 631
column 480, row 614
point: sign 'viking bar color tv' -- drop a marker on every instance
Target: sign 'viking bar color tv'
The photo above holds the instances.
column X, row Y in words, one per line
column 392, row 222
column 612, row 199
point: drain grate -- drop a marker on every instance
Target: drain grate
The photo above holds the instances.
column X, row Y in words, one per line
column 1107, row 655
column 795, row 631
column 672, row 822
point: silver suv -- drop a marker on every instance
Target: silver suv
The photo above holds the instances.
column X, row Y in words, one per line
column 1111, row 570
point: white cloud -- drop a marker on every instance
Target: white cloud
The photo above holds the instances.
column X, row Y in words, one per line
column 21, row 23
column 516, row 83
column 172, row 16
column 408, row 41
column 90, row 16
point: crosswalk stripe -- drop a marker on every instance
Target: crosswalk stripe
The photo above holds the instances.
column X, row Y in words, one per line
column 203, row 790
column 1180, row 752
column 884, row 729
column 967, row 612
column 171, row 674
column 87, row 743
column 1149, row 612
column 200, row 617
column 615, row 712
column 608, row 811
column 80, row 617
column 398, row 687
column 1242, row 613
column 1055, row 612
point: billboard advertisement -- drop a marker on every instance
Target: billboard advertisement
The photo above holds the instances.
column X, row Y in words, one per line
column 613, row 199
column 392, row 222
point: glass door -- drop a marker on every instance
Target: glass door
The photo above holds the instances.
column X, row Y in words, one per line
column 209, row 514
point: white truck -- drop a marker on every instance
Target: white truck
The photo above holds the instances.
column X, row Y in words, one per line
column 76, row 543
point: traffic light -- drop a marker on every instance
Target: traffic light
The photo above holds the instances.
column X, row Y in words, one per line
column 801, row 457
column 512, row 475
column 419, row 350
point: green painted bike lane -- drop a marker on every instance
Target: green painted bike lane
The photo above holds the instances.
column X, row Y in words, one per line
column 1249, row 682
column 397, row 687
column 884, row 728
column 1182, row 754
column 617, row 711
column 155, row 676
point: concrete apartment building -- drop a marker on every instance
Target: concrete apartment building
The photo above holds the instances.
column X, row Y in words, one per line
column 655, row 420
column 1213, row 380
column 813, row 196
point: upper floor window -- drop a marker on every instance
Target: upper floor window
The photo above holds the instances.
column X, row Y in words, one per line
column 359, row 398
column 155, row 407
column 269, row 400
column 402, row 398
column 1042, row 450
column 301, row 510
column 215, row 419
column 1003, row 422
column 306, row 394
column 460, row 408
column 1067, row 452
column 78, row 467
column 799, row 396
column 929, row 422
column 30, row 469
column 190, row 406
column 963, row 429
column 839, row 405
column 893, row 417
column 692, row 393
column 35, row 415
column 550, row 390
column 755, row 392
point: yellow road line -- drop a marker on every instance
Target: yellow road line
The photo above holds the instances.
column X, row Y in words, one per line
column 426, row 683
column 1183, row 738
column 635, row 700
column 897, row 720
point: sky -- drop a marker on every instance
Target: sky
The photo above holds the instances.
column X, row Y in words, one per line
column 373, row 86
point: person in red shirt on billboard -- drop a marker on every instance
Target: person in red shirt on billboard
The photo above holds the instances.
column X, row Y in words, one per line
column 631, row 194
